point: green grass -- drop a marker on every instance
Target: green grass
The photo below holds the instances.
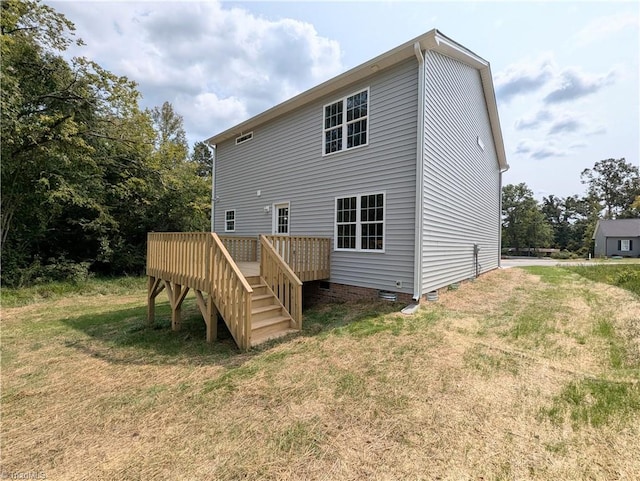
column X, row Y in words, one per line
column 625, row 276
column 16, row 297
column 595, row 402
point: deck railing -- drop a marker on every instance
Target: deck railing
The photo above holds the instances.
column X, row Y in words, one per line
column 308, row 257
column 200, row 261
column 279, row 277
column 179, row 257
column 242, row 249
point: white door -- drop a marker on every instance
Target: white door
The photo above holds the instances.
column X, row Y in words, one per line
column 281, row 218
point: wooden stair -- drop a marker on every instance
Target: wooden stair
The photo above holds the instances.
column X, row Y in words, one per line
column 269, row 319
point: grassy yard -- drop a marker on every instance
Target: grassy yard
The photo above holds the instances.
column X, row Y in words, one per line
column 523, row 374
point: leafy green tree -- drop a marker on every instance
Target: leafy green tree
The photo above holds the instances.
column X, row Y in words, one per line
column 523, row 223
column 202, row 156
column 54, row 114
column 85, row 173
column 616, row 184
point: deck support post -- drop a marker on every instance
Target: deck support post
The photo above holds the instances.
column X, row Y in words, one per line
column 176, row 293
column 155, row 286
column 209, row 313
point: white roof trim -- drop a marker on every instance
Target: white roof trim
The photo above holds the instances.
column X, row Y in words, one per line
column 432, row 40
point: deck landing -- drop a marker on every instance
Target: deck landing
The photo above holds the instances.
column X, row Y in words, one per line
column 249, row 269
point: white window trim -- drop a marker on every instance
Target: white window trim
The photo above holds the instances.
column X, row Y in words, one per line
column 274, row 218
column 359, row 223
column 241, row 139
column 234, row 220
column 344, row 121
column 622, row 245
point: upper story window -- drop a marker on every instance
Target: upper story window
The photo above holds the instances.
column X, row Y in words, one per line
column 346, row 123
column 229, row 220
column 244, row 138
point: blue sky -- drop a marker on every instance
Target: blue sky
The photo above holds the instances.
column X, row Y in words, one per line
column 566, row 73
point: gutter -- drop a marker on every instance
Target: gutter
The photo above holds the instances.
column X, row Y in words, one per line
column 419, row 223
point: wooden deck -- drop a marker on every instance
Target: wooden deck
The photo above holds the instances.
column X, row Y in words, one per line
column 255, row 284
column 249, row 269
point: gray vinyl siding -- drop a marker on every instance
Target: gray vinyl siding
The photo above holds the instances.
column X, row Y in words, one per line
column 461, row 181
column 612, row 247
column 284, row 161
column 600, row 245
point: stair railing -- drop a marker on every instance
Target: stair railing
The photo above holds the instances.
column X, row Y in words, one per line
column 230, row 291
column 282, row 280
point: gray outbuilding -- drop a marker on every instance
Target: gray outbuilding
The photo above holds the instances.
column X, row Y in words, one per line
column 617, row 237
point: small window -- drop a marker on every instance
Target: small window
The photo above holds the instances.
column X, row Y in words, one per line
column 360, row 222
column 244, row 138
column 625, row 245
column 345, row 123
column 229, row 220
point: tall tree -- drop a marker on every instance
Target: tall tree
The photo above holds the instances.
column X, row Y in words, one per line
column 54, row 114
column 615, row 183
column 171, row 140
column 85, row 173
column 202, row 156
column 523, row 223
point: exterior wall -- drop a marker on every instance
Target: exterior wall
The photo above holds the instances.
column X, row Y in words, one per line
column 461, row 205
column 600, row 244
column 612, row 247
column 284, row 162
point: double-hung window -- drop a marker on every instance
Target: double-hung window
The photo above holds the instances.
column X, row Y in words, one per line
column 360, row 222
column 346, row 123
column 625, row 245
column 229, row 220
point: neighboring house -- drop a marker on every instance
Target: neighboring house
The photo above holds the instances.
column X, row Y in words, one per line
column 399, row 161
column 619, row 237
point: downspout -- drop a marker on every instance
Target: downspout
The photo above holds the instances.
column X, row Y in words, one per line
column 502, row 171
column 417, row 255
column 500, row 218
column 213, row 187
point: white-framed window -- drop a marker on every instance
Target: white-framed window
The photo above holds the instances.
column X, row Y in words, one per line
column 230, row 220
column 625, row 245
column 244, row 138
column 359, row 222
column 345, row 123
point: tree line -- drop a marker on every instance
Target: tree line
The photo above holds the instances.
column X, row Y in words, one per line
column 568, row 223
column 86, row 172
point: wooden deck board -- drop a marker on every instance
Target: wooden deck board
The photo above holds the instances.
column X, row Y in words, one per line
column 249, row 269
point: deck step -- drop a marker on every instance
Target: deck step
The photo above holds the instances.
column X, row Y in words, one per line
column 260, row 313
column 270, row 328
column 262, row 300
column 253, row 280
column 259, row 339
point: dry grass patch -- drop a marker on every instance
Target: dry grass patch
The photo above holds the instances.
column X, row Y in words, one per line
column 89, row 392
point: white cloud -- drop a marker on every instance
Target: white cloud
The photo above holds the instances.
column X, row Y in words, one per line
column 524, row 77
column 539, row 150
column 533, row 121
column 604, row 27
column 573, row 84
column 217, row 65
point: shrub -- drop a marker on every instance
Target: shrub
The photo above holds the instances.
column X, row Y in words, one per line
column 56, row 269
column 565, row 254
